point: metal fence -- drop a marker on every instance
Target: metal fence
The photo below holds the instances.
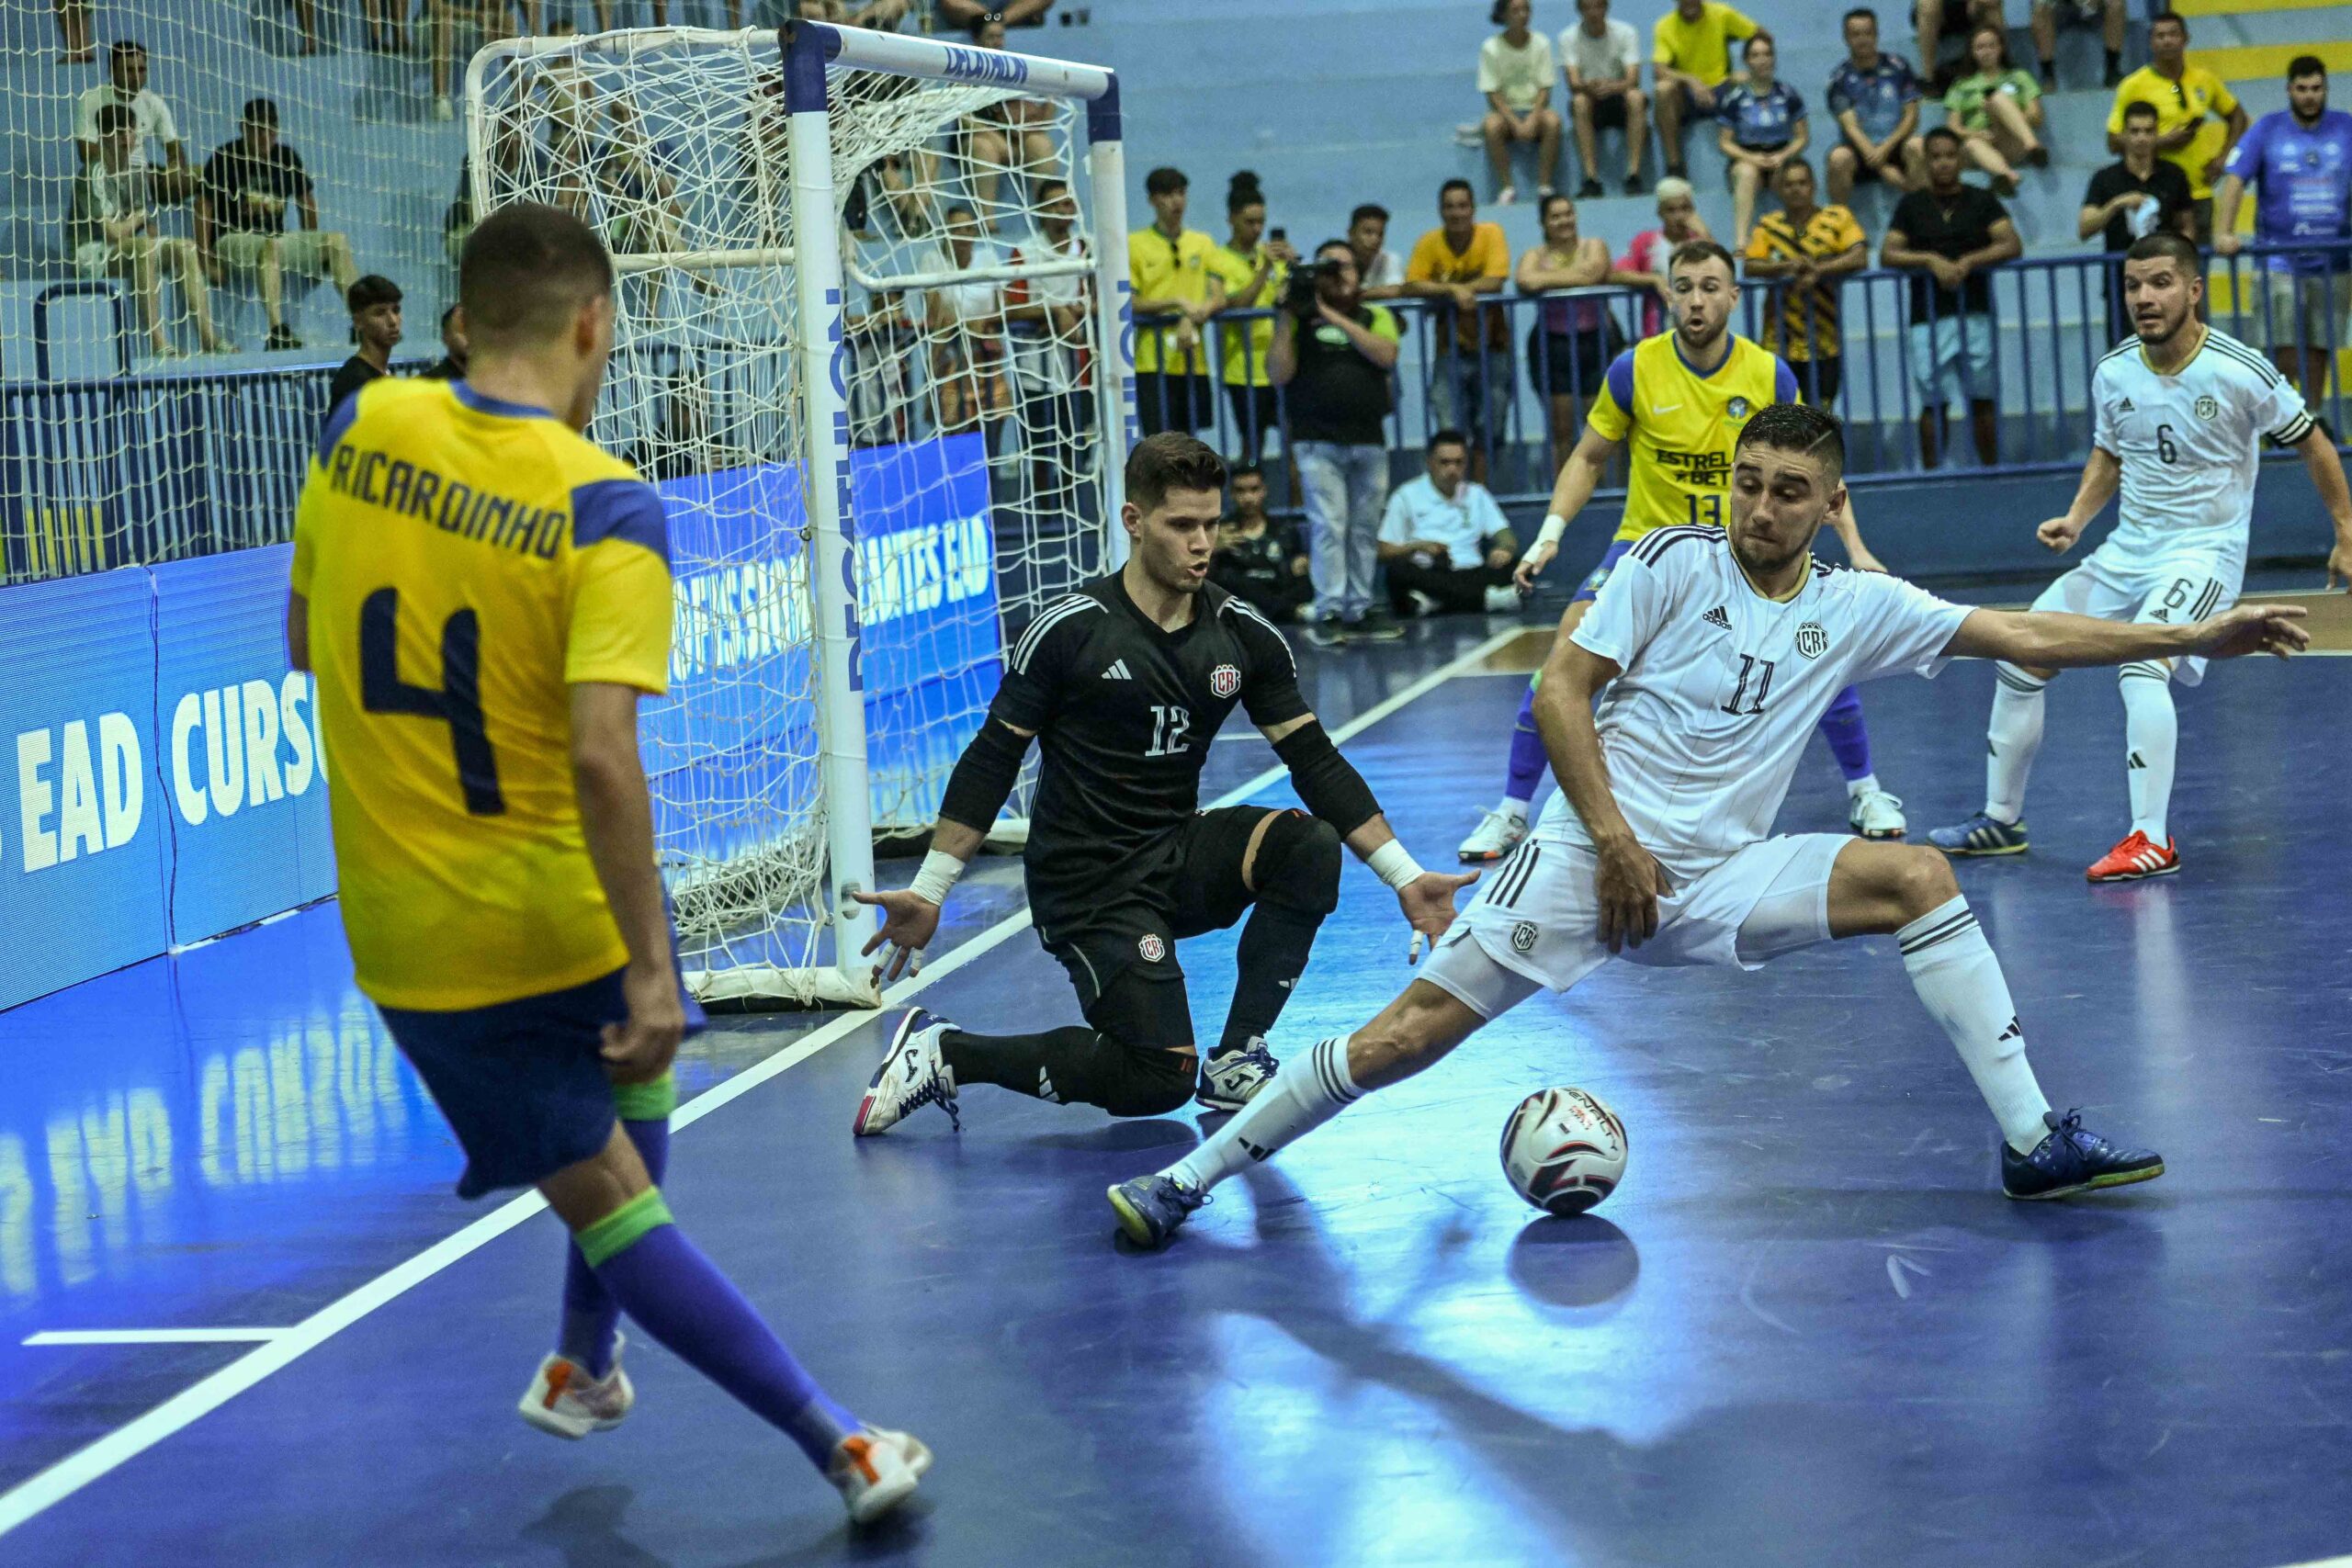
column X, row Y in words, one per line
column 1868, row 346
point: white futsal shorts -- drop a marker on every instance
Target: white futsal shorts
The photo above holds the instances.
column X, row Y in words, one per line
column 2187, row 586
column 1537, row 923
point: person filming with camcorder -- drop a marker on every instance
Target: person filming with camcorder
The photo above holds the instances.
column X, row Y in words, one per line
column 1333, row 354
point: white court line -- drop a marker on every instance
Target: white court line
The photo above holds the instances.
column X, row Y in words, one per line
column 154, row 1336
column 77, row 1470
column 2325, row 1563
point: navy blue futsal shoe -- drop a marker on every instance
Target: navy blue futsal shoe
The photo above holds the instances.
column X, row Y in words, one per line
column 1152, row 1208
column 2074, row 1159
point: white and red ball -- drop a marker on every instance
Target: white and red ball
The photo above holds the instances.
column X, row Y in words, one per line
column 1564, row 1150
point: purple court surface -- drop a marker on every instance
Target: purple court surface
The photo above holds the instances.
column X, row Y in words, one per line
column 1808, row 1329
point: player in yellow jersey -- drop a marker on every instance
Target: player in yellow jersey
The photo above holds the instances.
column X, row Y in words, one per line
column 484, row 595
column 1680, row 401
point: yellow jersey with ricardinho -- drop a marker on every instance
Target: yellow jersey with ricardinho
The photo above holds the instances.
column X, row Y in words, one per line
column 1682, row 425
column 465, row 561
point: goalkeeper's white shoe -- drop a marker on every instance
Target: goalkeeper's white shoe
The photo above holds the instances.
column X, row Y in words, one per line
column 875, row 1471
column 913, row 1074
column 1874, row 814
column 565, row 1402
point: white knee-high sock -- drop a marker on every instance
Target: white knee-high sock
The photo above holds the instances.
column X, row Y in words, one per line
column 2152, row 737
column 1308, row 1091
column 1959, row 983
column 2011, row 741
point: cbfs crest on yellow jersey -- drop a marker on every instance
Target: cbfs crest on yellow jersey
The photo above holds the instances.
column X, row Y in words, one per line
column 1682, row 425
column 466, row 560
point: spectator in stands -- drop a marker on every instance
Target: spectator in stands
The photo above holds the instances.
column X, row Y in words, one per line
column 1950, row 234
column 2199, row 120
column 1252, row 270
column 1643, row 264
column 1805, row 250
column 110, row 232
column 1516, row 71
column 1258, row 560
column 1454, row 264
column 1382, row 274
column 965, row 322
column 2140, row 193
column 1573, row 340
column 1942, row 20
column 1690, row 58
column 74, row 44
column 1443, row 541
column 1168, row 268
column 451, row 365
column 1335, row 357
column 1997, row 109
column 1010, row 136
column 1603, row 59
column 241, row 219
column 169, row 182
column 1763, row 127
column 375, row 304
column 2107, row 14
column 1874, row 97
column 1045, row 322
column 2299, row 160
column 1013, row 13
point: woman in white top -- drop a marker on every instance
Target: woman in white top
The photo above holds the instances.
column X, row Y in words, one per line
column 1516, row 71
column 965, row 322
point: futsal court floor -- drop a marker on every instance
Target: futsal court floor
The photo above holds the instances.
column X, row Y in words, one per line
column 243, row 1322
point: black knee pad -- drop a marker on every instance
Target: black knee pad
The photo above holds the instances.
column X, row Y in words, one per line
column 1298, row 863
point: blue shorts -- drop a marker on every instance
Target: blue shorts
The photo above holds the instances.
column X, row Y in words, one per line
column 522, row 1083
column 1590, row 590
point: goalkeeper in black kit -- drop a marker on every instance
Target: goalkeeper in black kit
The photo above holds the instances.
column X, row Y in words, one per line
column 1124, row 683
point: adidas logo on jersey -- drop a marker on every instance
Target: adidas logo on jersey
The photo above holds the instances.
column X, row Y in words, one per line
column 1715, row 617
column 2124, row 407
column 1118, row 670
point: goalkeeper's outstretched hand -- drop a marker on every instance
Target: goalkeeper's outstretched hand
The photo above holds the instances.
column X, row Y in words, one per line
column 1427, row 904
column 909, row 923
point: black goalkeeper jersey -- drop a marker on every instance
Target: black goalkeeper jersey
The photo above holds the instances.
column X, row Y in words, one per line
column 1124, row 713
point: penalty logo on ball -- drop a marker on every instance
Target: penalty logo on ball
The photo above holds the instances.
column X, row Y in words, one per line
column 1151, row 947
column 1225, row 680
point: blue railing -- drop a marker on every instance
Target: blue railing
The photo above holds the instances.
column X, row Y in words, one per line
column 2049, row 322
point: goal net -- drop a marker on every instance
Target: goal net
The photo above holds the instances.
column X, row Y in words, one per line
column 860, row 349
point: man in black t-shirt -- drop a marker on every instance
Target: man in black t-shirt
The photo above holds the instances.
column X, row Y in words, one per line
column 1333, row 357
column 2141, row 193
column 1256, row 559
column 241, row 206
column 1124, row 683
column 1949, row 233
column 375, row 305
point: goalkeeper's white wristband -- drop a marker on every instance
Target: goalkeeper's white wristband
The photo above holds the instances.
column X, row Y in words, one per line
column 1393, row 864
column 1549, row 534
column 938, row 873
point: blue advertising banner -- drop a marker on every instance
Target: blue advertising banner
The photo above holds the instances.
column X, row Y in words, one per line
column 166, row 777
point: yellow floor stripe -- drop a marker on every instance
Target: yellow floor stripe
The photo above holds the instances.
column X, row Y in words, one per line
column 2232, row 8
column 2267, row 61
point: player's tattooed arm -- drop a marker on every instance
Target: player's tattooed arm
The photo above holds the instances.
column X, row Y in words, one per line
column 1628, row 879
column 2101, row 473
column 976, row 791
column 2050, row 639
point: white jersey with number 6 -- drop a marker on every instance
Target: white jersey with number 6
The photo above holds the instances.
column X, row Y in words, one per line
column 2189, row 444
column 1720, row 687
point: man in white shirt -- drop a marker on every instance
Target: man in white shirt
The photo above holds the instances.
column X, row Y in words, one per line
column 1380, row 271
column 169, row 182
column 1603, row 62
column 1515, row 75
column 2179, row 415
column 1444, row 544
column 1713, row 653
column 1046, row 320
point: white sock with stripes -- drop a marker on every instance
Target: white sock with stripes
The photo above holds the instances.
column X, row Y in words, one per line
column 2011, row 741
column 2151, row 736
column 1308, row 1091
column 1959, row 983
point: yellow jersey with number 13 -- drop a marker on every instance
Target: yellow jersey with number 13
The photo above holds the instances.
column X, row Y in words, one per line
column 465, row 561
column 1682, row 426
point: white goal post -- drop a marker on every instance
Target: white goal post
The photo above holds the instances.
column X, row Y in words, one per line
column 875, row 344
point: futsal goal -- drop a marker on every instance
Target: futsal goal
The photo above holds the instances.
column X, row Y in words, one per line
column 873, row 346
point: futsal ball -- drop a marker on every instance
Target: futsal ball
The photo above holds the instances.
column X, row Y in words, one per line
column 1564, row 1150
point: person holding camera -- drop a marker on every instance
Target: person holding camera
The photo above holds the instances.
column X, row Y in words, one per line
column 1334, row 353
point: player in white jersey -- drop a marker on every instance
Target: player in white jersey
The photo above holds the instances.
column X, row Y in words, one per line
column 1713, row 652
column 2178, row 417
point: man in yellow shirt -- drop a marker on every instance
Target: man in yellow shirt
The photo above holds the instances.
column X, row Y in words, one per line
column 484, row 595
column 1454, row 264
column 1690, row 58
column 1170, row 271
column 1812, row 247
column 1252, row 271
column 2199, row 119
